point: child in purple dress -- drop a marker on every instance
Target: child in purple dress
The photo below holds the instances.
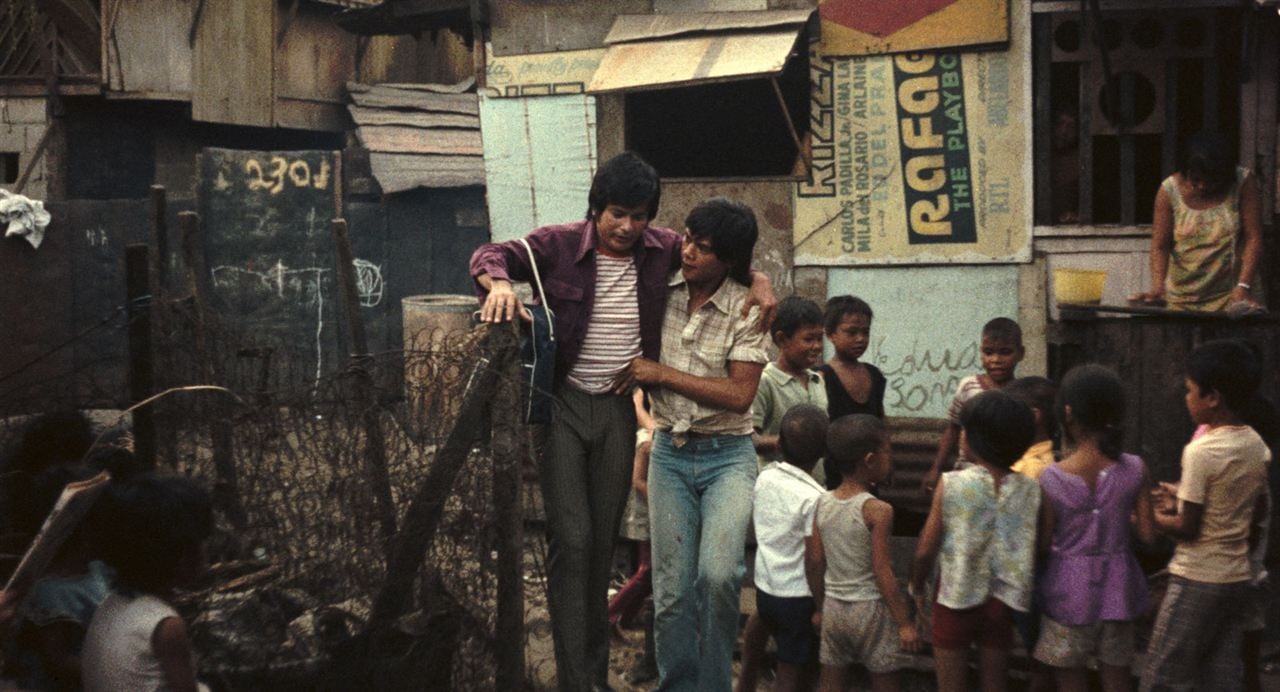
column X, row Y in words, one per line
column 1092, row 588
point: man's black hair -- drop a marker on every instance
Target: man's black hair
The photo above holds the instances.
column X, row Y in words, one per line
column 1096, row 397
column 156, row 522
column 1228, row 367
column 850, row 439
column 731, row 229
column 839, row 306
column 998, row 427
column 795, row 312
column 1207, row 158
column 627, row 181
column 802, row 435
column 1040, row 394
column 1004, row 330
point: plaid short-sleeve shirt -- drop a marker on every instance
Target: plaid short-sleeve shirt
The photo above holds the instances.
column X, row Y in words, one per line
column 702, row 344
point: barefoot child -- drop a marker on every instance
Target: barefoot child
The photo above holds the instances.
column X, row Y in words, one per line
column 1197, row 635
column 1092, row 587
column 864, row 617
column 1001, row 350
column 783, row 503
column 136, row 640
column 982, row 527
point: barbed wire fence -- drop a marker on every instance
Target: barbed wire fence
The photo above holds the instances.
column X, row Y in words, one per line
column 369, row 521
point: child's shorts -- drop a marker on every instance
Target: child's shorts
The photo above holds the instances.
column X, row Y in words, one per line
column 1071, row 646
column 861, row 632
column 990, row 625
column 790, row 621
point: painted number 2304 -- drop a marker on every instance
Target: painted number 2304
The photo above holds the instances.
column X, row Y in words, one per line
column 280, row 169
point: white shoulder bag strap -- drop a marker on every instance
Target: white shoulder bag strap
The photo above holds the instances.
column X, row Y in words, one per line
column 542, row 296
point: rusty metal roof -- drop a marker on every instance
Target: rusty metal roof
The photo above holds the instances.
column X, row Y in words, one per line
column 419, row 135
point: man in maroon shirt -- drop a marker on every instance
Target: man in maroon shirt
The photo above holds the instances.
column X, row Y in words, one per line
column 605, row 278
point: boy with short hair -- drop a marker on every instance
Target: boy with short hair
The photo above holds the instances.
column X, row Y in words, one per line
column 862, row 613
column 784, row 498
column 789, row 380
column 1197, row 635
column 1001, row 350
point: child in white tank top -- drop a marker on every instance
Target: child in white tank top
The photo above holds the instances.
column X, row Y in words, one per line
column 136, row 640
column 863, row 615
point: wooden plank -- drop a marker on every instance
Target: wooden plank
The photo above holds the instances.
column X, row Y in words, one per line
column 233, row 64
column 643, row 27
column 1265, row 76
column 412, row 140
column 1043, row 120
column 310, row 115
column 1128, row 165
column 1085, row 144
column 537, row 26
column 398, row 172
column 379, row 116
column 379, row 97
column 154, row 55
column 316, row 57
column 1169, row 137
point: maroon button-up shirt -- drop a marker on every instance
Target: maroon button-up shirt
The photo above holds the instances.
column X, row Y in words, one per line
column 566, row 255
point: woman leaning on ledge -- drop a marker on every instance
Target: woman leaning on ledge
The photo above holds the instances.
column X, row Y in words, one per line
column 1206, row 238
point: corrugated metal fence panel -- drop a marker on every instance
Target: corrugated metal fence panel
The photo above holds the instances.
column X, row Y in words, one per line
column 539, row 154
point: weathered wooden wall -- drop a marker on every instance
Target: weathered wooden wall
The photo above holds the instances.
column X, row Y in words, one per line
column 232, row 69
column 148, row 52
column 1150, row 355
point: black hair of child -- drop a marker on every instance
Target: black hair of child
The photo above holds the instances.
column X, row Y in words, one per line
column 839, row 306
column 1040, row 393
column 1096, row 397
column 731, row 229
column 50, row 439
column 1003, row 330
column 999, row 428
column 1228, row 367
column 625, row 180
column 851, row 438
column 802, row 435
column 153, row 523
column 1208, row 158
column 795, row 312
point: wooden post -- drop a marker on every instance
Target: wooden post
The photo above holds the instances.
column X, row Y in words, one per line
column 226, row 490
column 160, row 238
column 508, row 455
column 137, row 271
column 375, row 452
column 422, row 517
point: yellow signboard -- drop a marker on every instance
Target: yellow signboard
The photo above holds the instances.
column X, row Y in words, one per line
column 919, row 158
column 872, row 27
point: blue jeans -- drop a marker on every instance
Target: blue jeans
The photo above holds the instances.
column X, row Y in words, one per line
column 699, row 511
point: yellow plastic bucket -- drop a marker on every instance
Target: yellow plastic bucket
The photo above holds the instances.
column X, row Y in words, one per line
column 1078, row 285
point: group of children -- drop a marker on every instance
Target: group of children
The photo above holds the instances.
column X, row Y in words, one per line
column 1017, row 538
column 101, row 618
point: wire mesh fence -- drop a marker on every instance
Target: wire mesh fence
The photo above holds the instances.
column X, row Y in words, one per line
column 365, row 517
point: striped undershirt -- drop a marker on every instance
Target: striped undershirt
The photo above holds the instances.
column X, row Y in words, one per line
column 613, row 333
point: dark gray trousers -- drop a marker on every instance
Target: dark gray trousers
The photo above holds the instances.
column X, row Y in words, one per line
column 585, row 472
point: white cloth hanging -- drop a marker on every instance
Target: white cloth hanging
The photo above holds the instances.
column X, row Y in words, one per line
column 23, row 217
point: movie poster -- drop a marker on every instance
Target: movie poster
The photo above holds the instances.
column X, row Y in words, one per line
column 919, row 158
